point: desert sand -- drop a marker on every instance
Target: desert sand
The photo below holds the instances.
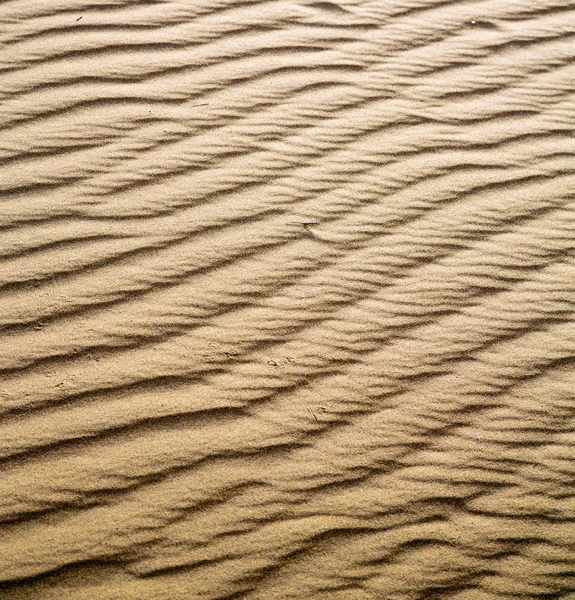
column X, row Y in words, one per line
column 287, row 299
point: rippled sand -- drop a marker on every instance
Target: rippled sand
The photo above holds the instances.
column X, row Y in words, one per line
column 287, row 304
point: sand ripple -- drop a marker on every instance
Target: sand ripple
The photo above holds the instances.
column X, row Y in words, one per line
column 287, row 299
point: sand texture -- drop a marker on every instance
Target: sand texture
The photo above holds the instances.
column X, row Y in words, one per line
column 287, row 299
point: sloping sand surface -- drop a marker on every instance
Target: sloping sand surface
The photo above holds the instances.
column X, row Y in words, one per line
column 287, row 303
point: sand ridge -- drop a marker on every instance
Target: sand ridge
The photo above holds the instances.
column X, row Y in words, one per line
column 287, row 299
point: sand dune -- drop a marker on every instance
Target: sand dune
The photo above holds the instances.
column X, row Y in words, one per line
column 287, row 299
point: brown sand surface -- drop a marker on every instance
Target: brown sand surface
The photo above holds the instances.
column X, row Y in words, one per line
column 287, row 299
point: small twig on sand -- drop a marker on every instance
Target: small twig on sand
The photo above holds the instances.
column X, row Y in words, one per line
column 307, row 226
column 311, row 413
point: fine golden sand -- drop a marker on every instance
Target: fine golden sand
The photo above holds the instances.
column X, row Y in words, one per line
column 287, row 299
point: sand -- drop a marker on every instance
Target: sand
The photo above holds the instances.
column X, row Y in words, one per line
column 287, row 299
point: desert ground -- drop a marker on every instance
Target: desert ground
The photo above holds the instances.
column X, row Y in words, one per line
column 287, row 299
